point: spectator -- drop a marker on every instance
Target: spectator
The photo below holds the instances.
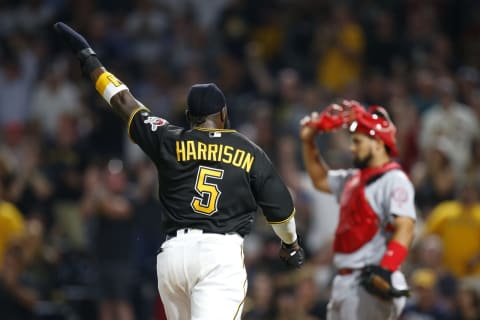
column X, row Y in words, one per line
column 65, row 162
column 430, row 257
column 54, row 96
column 106, row 201
column 434, row 179
column 406, row 117
column 382, row 47
column 17, row 301
column 457, row 223
column 147, row 26
column 17, row 73
column 468, row 302
column 12, row 224
column 452, row 123
column 148, row 237
column 344, row 43
column 423, row 95
column 259, row 306
column 424, row 304
column 29, row 187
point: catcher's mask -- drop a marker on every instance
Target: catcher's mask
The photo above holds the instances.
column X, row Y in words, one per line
column 376, row 123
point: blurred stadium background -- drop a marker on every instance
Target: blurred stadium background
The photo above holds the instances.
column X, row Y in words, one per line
column 79, row 223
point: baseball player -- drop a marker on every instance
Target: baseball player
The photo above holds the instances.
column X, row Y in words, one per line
column 377, row 213
column 211, row 181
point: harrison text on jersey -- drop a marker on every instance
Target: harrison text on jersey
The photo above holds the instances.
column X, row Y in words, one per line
column 195, row 150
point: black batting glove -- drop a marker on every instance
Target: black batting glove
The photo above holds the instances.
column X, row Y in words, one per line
column 79, row 46
column 75, row 40
column 292, row 254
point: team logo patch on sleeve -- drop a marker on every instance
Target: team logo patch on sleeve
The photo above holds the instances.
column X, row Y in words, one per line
column 400, row 195
column 155, row 122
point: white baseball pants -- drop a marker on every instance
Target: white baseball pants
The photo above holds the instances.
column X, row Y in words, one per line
column 201, row 276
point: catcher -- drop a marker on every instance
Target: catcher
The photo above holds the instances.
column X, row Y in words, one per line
column 377, row 213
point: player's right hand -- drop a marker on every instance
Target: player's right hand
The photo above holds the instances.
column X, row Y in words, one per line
column 79, row 46
column 307, row 130
column 72, row 38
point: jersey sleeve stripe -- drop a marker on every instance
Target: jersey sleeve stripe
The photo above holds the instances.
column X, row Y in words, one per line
column 130, row 119
column 285, row 220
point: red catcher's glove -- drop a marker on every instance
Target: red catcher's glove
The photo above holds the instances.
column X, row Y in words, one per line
column 336, row 116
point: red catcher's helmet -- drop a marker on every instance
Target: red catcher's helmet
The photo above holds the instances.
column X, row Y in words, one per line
column 376, row 123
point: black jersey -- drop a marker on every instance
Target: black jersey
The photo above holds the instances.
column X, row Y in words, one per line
column 210, row 179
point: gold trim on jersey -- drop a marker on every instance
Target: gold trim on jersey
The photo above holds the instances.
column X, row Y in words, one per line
column 285, row 220
column 214, row 129
column 130, row 119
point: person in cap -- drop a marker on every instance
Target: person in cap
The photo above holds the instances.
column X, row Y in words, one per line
column 377, row 212
column 426, row 302
column 211, row 181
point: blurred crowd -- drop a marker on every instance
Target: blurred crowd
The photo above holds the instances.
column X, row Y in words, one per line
column 79, row 221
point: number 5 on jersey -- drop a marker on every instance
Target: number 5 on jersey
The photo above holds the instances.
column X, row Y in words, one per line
column 207, row 202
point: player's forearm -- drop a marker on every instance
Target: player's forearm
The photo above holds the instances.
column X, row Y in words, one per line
column 403, row 231
column 122, row 101
column 316, row 167
column 287, row 231
column 115, row 93
column 397, row 248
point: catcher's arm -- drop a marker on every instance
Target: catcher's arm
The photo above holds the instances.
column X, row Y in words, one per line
column 376, row 279
column 113, row 90
column 397, row 248
column 316, row 167
column 333, row 117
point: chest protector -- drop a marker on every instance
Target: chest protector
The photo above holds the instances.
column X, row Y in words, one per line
column 358, row 222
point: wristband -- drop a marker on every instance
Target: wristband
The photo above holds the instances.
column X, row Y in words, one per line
column 89, row 63
column 108, row 86
column 394, row 255
column 290, row 245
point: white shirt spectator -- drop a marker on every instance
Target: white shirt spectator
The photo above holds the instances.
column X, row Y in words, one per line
column 455, row 127
column 16, row 79
column 205, row 15
column 54, row 96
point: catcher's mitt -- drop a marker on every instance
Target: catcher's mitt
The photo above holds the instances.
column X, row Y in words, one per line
column 337, row 115
column 377, row 281
column 292, row 254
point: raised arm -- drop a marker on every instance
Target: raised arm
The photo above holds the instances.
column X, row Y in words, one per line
column 316, row 167
column 333, row 117
column 112, row 90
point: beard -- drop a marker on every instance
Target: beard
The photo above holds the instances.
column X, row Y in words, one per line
column 362, row 163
